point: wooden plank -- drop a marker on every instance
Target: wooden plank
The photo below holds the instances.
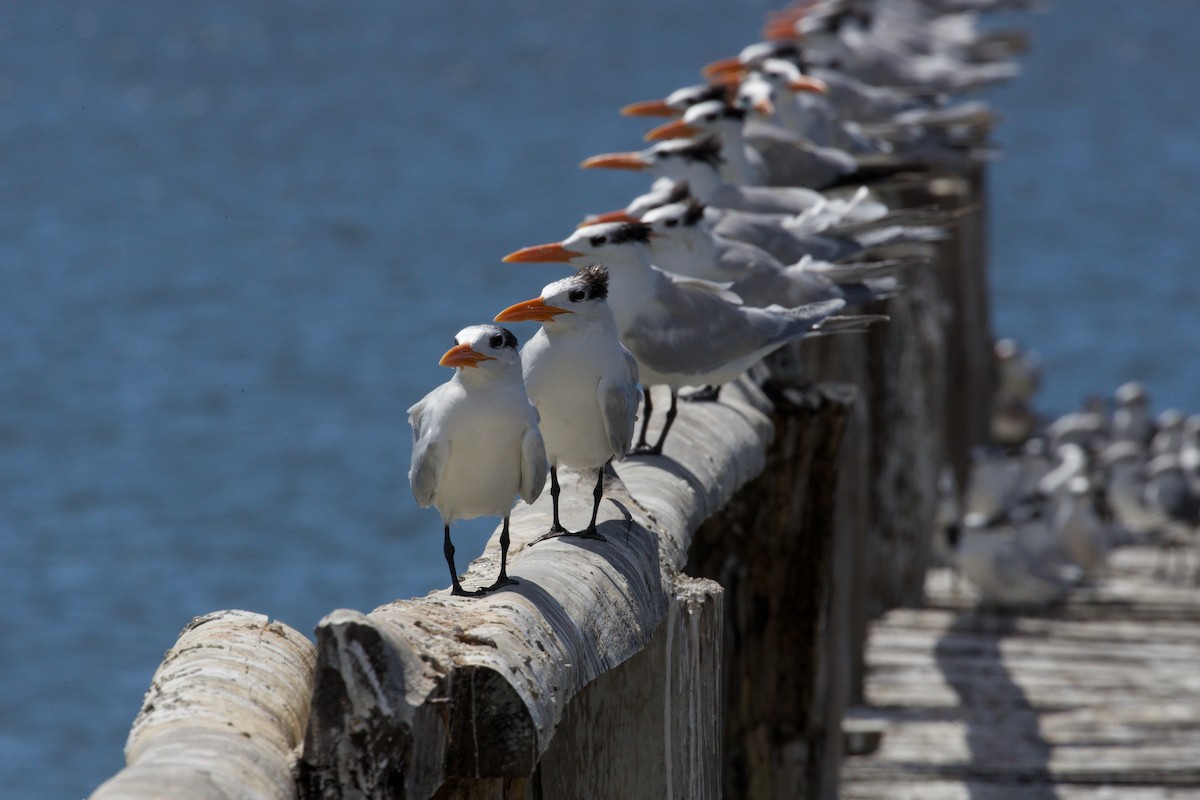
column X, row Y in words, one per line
column 225, row 710
column 672, row 687
column 445, row 690
column 1098, row 698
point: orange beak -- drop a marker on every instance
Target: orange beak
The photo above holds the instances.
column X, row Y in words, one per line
column 728, row 80
column 620, row 215
column 723, row 66
column 535, row 310
column 675, row 129
column 633, row 161
column 765, row 107
column 807, row 84
column 649, row 108
column 781, row 28
column 553, row 253
column 463, row 355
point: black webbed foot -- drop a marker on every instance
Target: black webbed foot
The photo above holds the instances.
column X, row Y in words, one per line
column 588, row 533
column 708, row 394
column 500, row 583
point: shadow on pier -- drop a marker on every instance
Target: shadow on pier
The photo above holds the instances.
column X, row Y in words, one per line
column 1008, row 755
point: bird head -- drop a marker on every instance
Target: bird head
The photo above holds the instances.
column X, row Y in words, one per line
column 677, row 159
column 608, row 242
column 583, row 295
column 488, row 346
column 711, row 116
column 674, row 219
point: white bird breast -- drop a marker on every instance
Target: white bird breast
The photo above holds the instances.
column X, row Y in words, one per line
column 480, row 474
column 562, row 375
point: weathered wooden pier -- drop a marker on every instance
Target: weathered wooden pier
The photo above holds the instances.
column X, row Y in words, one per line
column 1097, row 698
column 709, row 648
column 717, row 643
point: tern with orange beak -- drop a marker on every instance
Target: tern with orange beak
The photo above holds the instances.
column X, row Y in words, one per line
column 682, row 331
column 580, row 378
column 757, row 153
column 476, row 442
column 678, row 101
column 698, row 161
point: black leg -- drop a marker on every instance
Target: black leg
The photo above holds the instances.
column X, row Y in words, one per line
column 555, row 526
column 647, row 408
column 597, row 494
column 662, row 437
column 709, row 394
column 503, row 580
column 448, row 550
column 589, row 532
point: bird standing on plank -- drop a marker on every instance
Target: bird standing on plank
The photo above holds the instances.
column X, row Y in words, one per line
column 683, row 331
column 580, row 378
column 476, row 443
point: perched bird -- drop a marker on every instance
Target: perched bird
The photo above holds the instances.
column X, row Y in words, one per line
column 1131, row 419
column 698, row 162
column 678, row 101
column 1173, row 500
column 756, row 153
column 580, row 378
column 680, row 244
column 1082, row 532
column 683, row 331
column 476, row 443
column 1001, row 566
column 832, row 229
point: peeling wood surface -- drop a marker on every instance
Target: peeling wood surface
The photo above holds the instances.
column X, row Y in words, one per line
column 494, row 674
column 224, row 713
column 772, row 549
column 651, row 727
column 1097, row 698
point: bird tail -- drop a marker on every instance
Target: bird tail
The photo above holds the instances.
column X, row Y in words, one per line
column 864, row 271
column 848, row 323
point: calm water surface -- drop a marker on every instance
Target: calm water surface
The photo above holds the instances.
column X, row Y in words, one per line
column 235, row 240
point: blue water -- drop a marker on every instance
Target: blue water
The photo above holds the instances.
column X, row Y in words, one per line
column 235, row 238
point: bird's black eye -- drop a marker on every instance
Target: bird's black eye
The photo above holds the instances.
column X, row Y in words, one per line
column 575, row 295
column 598, row 240
column 671, row 223
column 710, row 117
column 497, row 340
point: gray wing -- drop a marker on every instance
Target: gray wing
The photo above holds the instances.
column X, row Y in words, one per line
column 618, row 405
column 716, row 288
column 429, row 456
column 701, row 331
column 533, row 465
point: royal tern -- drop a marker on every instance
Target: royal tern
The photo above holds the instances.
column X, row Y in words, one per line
column 679, row 244
column 476, row 443
column 756, row 154
column 834, row 229
column 580, row 378
column 1082, row 532
column 682, row 331
column 1072, row 463
column 1171, row 497
column 893, row 45
column 678, row 101
column 1131, row 419
column 1168, row 432
column 697, row 161
column 999, row 564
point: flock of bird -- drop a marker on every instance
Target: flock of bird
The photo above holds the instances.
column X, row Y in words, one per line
column 1045, row 507
column 758, row 230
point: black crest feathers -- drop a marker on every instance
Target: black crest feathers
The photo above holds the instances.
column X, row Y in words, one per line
column 595, row 279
